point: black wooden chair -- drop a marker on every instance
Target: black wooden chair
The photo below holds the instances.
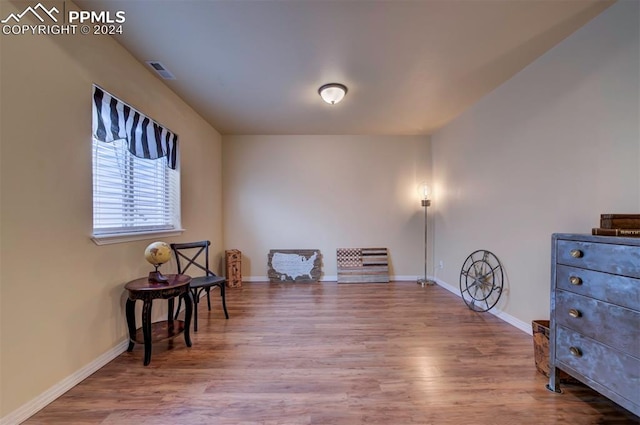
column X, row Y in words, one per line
column 191, row 254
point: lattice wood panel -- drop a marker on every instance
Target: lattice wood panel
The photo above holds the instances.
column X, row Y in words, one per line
column 363, row 265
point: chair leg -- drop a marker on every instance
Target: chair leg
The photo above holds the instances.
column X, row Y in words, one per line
column 208, row 299
column 224, row 302
column 178, row 309
column 194, row 292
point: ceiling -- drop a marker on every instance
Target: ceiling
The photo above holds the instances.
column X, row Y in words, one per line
column 254, row 67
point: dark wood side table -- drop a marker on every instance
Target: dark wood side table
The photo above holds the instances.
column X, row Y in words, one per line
column 142, row 289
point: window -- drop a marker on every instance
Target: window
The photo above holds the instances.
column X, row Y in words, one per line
column 132, row 194
column 136, row 179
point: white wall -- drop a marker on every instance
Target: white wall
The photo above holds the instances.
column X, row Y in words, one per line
column 62, row 296
column 548, row 151
column 324, row 192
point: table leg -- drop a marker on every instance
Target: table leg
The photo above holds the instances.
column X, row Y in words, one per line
column 131, row 322
column 146, row 330
column 170, row 305
column 188, row 309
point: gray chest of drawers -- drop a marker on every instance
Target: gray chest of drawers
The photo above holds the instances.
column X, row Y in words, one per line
column 595, row 315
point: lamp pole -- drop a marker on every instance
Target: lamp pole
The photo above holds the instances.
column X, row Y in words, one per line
column 425, row 204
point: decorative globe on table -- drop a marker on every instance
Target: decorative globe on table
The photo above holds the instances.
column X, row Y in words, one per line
column 157, row 253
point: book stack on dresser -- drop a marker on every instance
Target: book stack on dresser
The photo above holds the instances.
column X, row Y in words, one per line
column 618, row 225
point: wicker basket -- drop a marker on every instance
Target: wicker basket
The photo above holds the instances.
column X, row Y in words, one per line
column 541, row 351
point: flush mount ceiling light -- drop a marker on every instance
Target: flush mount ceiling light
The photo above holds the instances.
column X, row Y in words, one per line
column 332, row 93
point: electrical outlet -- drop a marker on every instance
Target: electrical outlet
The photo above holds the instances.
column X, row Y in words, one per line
column 441, row 265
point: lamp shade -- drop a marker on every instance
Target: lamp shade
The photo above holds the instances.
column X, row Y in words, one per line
column 332, row 93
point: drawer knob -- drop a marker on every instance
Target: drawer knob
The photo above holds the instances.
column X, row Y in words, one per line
column 576, row 253
column 575, row 280
column 575, row 351
column 575, row 313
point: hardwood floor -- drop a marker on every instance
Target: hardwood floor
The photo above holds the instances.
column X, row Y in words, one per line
column 325, row 353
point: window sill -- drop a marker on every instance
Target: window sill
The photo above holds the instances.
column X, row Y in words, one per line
column 131, row 237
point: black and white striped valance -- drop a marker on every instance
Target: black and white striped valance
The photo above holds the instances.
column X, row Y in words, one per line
column 115, row 120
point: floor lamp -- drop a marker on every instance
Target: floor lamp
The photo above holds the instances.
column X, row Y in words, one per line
column 426, row 202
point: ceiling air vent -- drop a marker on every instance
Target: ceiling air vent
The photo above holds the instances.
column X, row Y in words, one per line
column 161, row 70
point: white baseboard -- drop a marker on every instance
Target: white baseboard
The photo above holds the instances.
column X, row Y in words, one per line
column 29, row 409
column 524, row 327
column 262, row 279
column 405, row 278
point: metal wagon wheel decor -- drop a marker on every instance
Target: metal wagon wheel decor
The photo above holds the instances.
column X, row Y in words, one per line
column 481, row 280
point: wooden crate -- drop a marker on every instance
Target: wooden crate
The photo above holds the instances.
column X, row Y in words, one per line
column 233, row 261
